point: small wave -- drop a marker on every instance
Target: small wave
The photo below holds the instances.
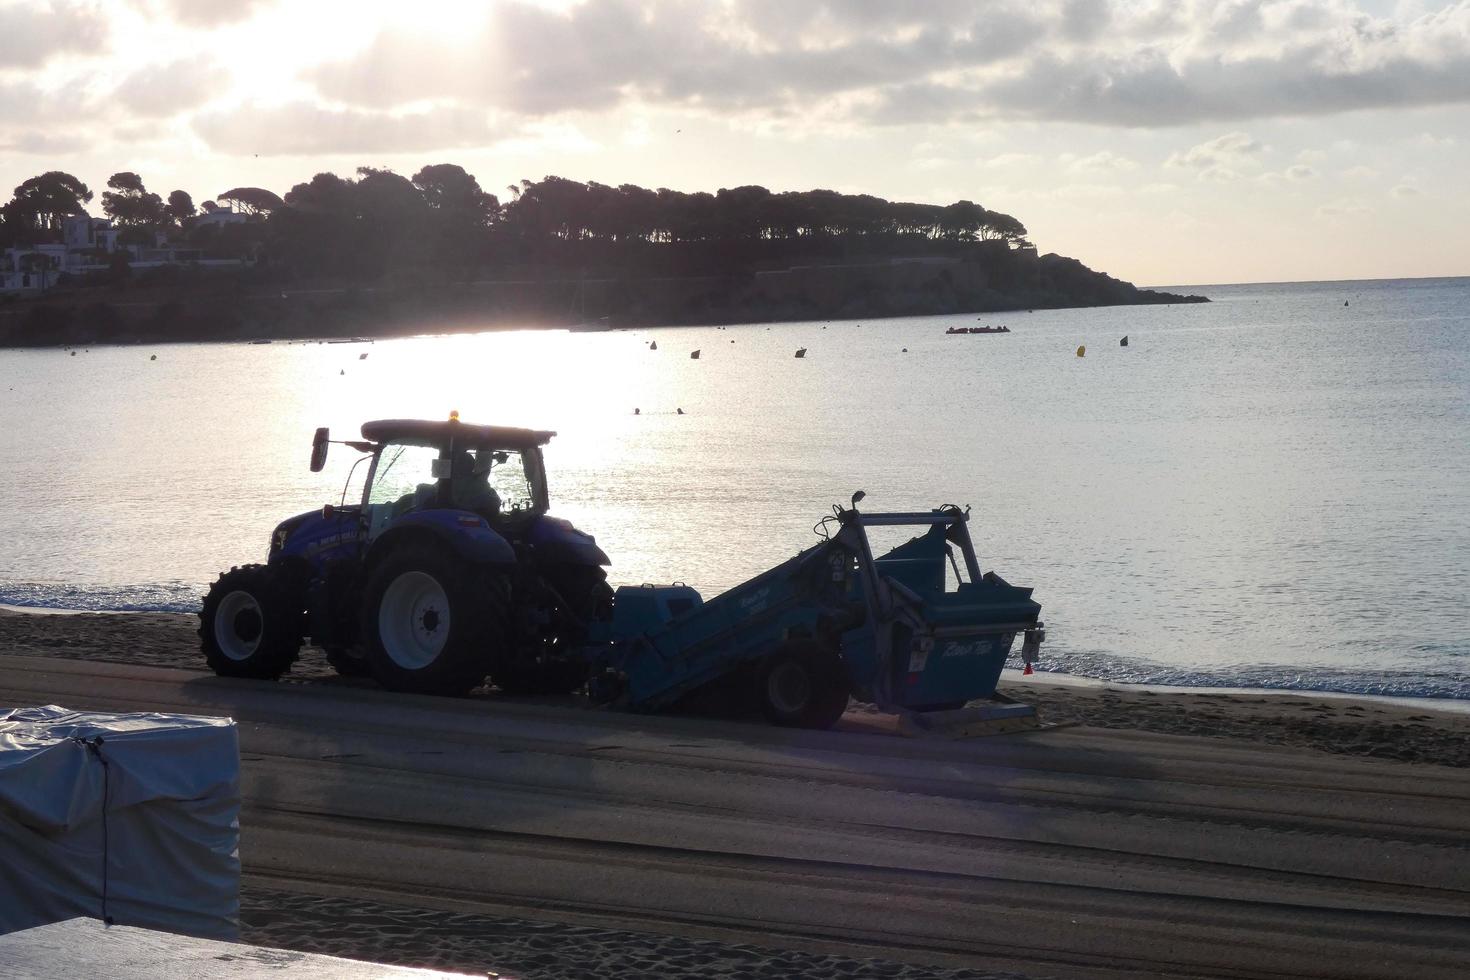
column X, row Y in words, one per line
column 1425, row 683
column 182, row 597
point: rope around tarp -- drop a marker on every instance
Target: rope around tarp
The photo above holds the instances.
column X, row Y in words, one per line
column 94, row 748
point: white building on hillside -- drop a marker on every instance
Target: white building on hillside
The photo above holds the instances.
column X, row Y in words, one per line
column 87, row 246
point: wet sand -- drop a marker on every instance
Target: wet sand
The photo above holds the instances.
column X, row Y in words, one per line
column 1340, row 725
column 1140, row 832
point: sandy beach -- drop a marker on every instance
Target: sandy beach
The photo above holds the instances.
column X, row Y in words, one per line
column 1340, row 725
column 1138, row 833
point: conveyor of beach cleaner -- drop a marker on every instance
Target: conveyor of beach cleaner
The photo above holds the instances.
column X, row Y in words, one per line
column 919, row 631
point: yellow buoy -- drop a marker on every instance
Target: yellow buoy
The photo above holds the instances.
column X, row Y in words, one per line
column 1082, row 351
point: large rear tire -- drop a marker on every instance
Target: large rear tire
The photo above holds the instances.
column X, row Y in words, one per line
column 251, row 624
column 431, row 623
column 802, row 685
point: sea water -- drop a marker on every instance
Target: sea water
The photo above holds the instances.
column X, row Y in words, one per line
column 1271, row 490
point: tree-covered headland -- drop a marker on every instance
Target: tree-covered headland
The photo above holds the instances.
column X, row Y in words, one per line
column 379, row 252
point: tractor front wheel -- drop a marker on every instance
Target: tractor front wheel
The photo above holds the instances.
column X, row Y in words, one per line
column 430, row 622
column 251, row 624
column 802, row 685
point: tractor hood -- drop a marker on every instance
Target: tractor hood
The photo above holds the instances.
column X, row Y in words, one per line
column 556, row 539
column 315, row 537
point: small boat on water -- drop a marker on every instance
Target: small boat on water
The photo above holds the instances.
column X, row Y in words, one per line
column 967, row 330
column 694, row 355
column 801, row 352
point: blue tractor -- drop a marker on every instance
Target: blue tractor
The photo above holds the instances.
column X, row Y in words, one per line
column 448, row 572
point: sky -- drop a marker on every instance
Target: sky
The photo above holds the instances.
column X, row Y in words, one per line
column 1185, row 142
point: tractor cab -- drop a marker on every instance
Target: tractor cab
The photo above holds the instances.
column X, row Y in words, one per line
column 494, row 472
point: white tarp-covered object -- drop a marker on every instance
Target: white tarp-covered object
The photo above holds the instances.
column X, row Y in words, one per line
column 155, row 796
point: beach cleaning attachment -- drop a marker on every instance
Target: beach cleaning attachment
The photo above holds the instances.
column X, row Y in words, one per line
column 917, row 630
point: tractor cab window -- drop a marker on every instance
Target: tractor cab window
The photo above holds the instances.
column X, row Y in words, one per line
column 404, row 478
column 509, row 479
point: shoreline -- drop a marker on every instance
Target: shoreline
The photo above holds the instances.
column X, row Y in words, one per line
column 366, row 329
column 1403, row 729
column 1010, row 675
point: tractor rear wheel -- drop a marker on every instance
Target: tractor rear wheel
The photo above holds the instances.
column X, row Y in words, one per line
column 431, row 622
column 802, row 685
column 251, row 623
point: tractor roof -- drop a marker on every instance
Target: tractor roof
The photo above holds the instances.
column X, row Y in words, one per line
column 424, row 432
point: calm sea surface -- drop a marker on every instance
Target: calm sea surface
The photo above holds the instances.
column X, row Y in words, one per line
column 1272, row 490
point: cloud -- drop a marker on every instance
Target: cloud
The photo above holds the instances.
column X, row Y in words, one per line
column 1404, row 191
column 1148, row 63
column 1432, row 142
column 1219, row 175
column 1010, row 160
column 31, row 33
column 1360, row 172
column 1336, row 60
column 1222, row 151
column 22, row 103
column 603, row 53
column 1104, row 161
column 212, row 13
column 164, row 90
column 1347, row 207
column 305, row 129
column 39, row 143
column 1296, row 173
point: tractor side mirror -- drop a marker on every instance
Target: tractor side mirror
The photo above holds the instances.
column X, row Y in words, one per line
column 857, row 499
column 319, row 449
